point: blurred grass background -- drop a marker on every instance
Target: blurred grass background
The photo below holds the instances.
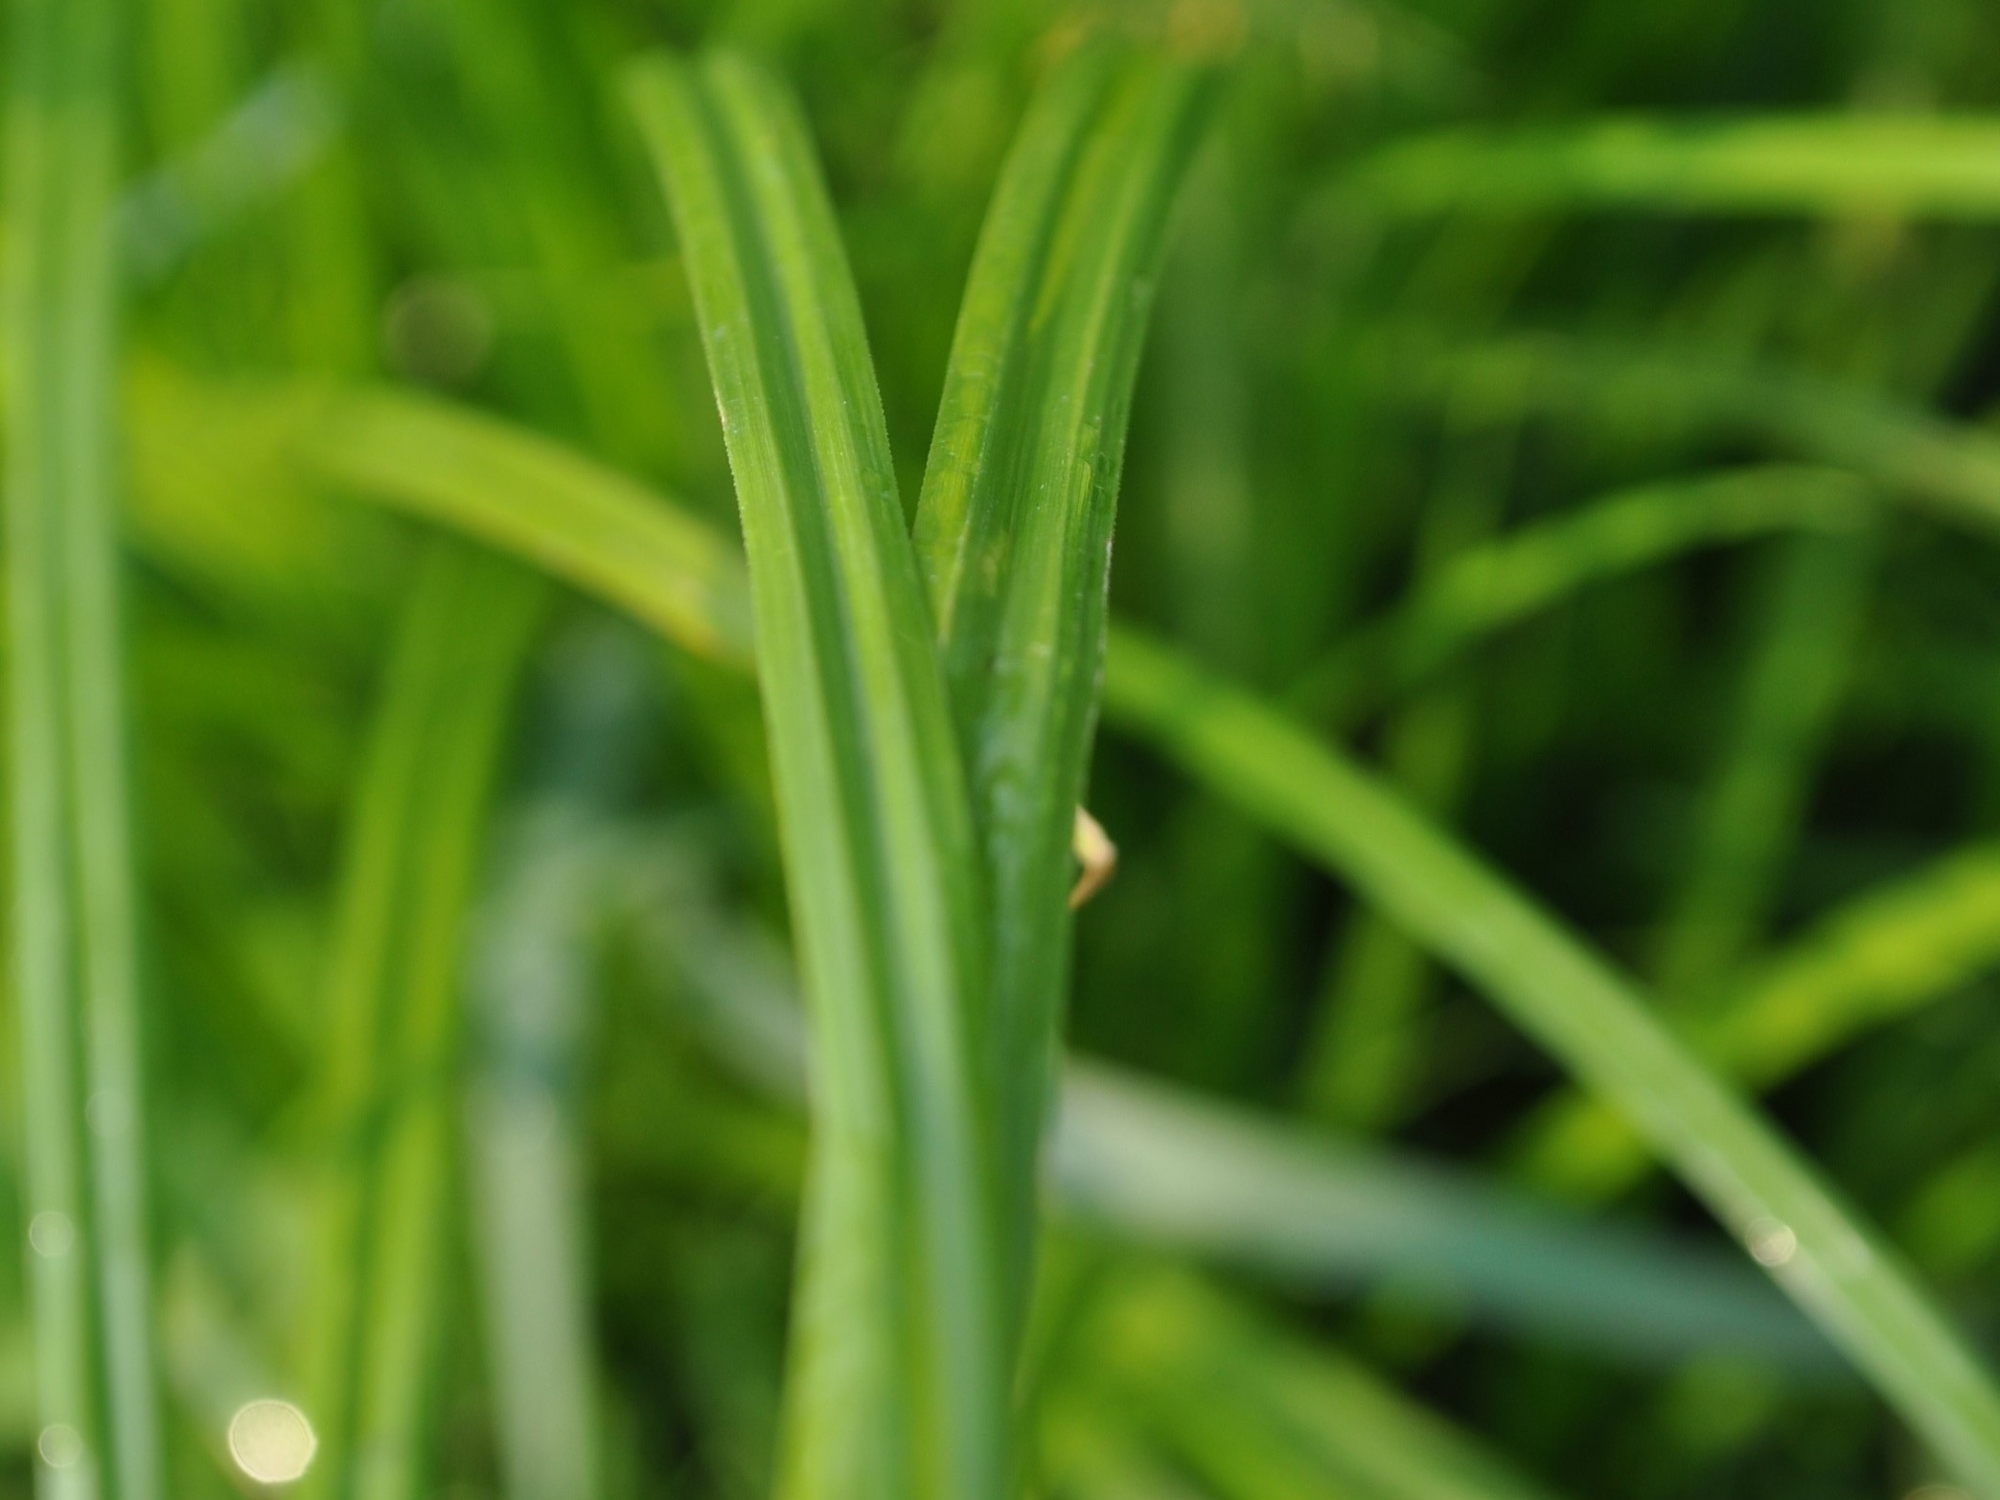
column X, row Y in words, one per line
column 1581, row 409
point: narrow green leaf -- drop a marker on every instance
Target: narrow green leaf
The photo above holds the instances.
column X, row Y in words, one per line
column 75, row 939
column 1946, row 469
column 460, row 469
column 1013, row 529
column 530, row 148
column 387, row 1103
column 1791, row 688
column 1370, row 1016
column 899, row 1373
column 1167, row 1170
column 1882, row 955
column 1591, row 1018
column 1499, row 583
column 1266, row 1416
column 1939, row 167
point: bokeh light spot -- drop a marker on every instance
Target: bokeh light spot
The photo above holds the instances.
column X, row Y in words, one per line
column 271, row 1441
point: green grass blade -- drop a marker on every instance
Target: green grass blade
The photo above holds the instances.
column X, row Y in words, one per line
column 1013, row 529
column 1750, row 817
column 1264, row 1415
column 1500, row 583
column 387, row 1102
column 1936, row 167
column 1882, row 955
column 76, row 969
column 1591, row 1018
column 899, row 1374
column 1946, row 469
column 524, row 494
column 531, row 109
column 260, row 149
column 1167, row 1170
column 1370, row 1014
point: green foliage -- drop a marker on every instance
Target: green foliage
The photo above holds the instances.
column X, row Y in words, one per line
column 1592, row 1019
column 1578, row 412
column 75, row 941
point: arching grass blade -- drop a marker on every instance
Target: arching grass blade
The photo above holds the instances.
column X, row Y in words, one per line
column 1591, row 1018
column 1827, row 164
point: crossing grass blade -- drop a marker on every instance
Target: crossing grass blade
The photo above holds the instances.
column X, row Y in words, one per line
column 1880, row 956
column 75, row 938
column 1946, row 470
column 1495, row 584
column 1370, row 1013
column 457, row 468
column 898, row 1381
column 1013, row 528
column 1938, row 167
column 386, row 1110
column 1261, row 1415
column 1591, row 1018
column 1791, row 688
column 1169, row 1171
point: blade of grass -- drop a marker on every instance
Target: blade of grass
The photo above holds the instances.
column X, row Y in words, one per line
column 76, row 968
column 263, row 147
column 1264, row 1415
column 1366, row 1040
column 898, row 1380
column 1749, row 820
column 1499, row 583
column 461, row 469
column 1165, row 1169
column 1215, row 529
column 1948, row 470
column 1592, row 1019
column 532, row 108
column 1878, row 957
column 1936, row 167
column 1013, row 529
column 387, row 1102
